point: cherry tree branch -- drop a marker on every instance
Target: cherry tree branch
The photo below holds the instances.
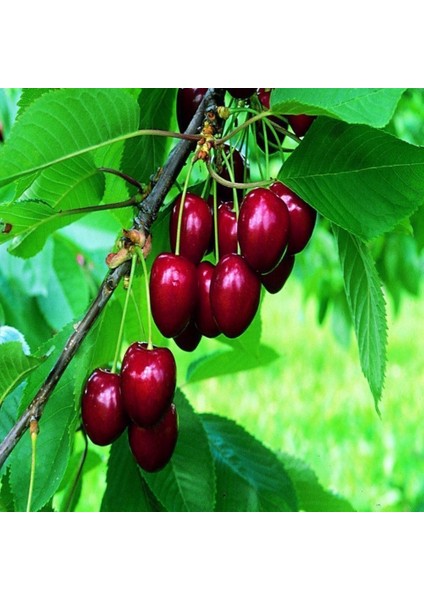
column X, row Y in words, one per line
column 143, row 221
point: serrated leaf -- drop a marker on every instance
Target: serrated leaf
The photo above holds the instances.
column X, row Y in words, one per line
column 370, row 106
column 249, row 476
column 52, row 452
column 187, row 483
column 367, row 306
column 226, row 362
column 67, row 289
column 125, row 488
column 15, row 366
column 145, row 155
column 311, row 495
column 362, row 179
column 64, row 124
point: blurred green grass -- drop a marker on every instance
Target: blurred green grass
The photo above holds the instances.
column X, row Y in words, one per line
column 314, row 403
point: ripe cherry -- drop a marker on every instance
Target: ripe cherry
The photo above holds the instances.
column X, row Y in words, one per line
column 234, row 295
column 302, row 217
column 196, row 227
column 102, row 410
column 173, row 292
column 188, row 100
column 227, row 229
column 205, row 321
column 274, row 281
column 263, row 229
column 189, row 338
column 241, row 93
column 148, row 380
column 300, row 123
column 153, row 447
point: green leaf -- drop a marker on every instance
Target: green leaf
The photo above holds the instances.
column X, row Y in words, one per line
column 63, row 124
column 362, row 179
column 367, row 306
column 125, row 488
column 52, row 452
column 370, row 106
column 6, row 496
column 28, row 96
column 9, row 412
column 311, row 496
column 249, row 476
column 15, row 366
column 145, row 155
column 187, row 483
column 227, row 362
column 67, row 289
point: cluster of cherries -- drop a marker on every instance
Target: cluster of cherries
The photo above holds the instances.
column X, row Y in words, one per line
column 138, row 399
column 192, row 297
column 254, row 244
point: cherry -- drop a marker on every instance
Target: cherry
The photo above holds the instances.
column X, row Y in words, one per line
column 241, row 93
column 234, row 295
column 235, row 159
column 173, row 292
column 302, row 217
column 205, row 321
column 102, row 409
column 300, row 123
column 153, row 447
column 148, row 380
column 189, row 338
column 188, row 100
column 196, row 227
column 274, row 281
column 263, row 229
column 227, row 229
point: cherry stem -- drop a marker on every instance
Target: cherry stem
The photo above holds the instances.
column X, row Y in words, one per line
column 140, row 254
column 79, row 473
column 124, row 314
column 181, row 210
column 257, row 117
column 239, row 186
column 124, row 176
column 34, row 433
column 87, row 209
column 215, row 219
column 230, row 169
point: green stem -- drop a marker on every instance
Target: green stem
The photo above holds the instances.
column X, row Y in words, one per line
column 239, row 186
column 230, row 169
column 124, row 313
column 215, row 220
column 149, row 307
column 87, row 209
column 180, row 213
column 32, row 473
column 79, row 473
column 258, row 117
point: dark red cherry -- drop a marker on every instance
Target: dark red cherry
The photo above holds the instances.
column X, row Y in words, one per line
column 102, row 409
column 189, row 338
column 153, row 447
column 234, row 294
column 204, row 318
column 274, row 281
column 196, row 227
column 227, row 229
column 173, row 292
column 241, row 93
column 263, row 229
column 302, row 217
column 148, row 380
column 188, row 100
column 235, row 159
column 300, row 123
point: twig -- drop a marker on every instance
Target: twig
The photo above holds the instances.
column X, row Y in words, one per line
column 143, row 221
